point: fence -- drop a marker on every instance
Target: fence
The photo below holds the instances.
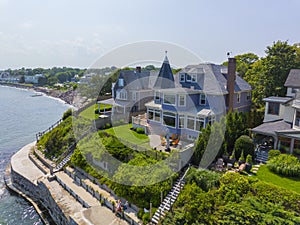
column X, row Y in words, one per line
column 40, row 134
column 95, row 194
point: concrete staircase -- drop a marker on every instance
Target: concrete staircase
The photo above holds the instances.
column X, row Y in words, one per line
column 262, row 156
column 169, row 200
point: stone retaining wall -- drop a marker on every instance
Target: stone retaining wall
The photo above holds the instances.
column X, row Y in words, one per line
column 40, row 194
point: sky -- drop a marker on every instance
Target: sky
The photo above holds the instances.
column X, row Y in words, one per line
column 77, row 33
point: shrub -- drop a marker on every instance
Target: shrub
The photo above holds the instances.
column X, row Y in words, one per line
column 249, row 159
column 242, row 157
column 243, row 143
column 140, row 130
column 273, row 153
column 146, row 218
column 140, row 213
column 287, row 165
column 67, row 114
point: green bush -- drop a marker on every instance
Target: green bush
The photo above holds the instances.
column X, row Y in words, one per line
column 249, row 159
column 140, row 213
column 67, row 114
column 287, row 165
column 273, row 153
column 146, row 218
column 243, row 143
column 140, row 130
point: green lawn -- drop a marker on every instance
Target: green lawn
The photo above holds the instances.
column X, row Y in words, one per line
column 124, row 132
column 266, row 175
column 90, row 114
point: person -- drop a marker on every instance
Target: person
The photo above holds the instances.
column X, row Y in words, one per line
column 119, row 206
column 125, row 205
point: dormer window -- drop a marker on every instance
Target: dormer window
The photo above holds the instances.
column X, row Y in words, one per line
column 248, row 96
column 121, row 82
column 194, row 78
column 238, row 97
column 182, row 77
column 188, row 78
column 157, row 96
column 122, row 94
column 273, row 108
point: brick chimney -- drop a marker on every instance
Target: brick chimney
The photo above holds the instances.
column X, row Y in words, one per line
column 138, row 69
column 231, row 82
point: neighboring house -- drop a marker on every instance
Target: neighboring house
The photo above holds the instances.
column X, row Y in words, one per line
column 131, row 91
column 6, row 77
column 34, row 79
column 194, row 97
column 281, row 125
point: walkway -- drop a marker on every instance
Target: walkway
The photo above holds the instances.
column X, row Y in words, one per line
column 96, row 215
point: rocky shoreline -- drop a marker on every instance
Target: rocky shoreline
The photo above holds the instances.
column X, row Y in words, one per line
column 70, row 97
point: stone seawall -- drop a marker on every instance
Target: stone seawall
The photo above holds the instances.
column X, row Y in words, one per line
column 41, row 195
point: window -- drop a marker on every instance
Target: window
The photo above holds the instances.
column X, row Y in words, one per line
column 248, row 97
column 297, row 119
column 188, row 78
column 190, row 122
column 182, row 77
column 134, row 96
column 202, row 99
column 122, row 94
column 181, row 121
column 195, row 123
column 194, row 78
column 238, row 97
column 154, row 114
column 199, row 123
column 169, row 99
column 169, row 119
column 157, row 95
column 211, row 120
column 121, row 82
column 294, row 90
column 181, row 100
column 273, row 108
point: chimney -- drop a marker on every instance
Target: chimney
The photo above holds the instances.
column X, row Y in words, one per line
column 231, row 82
column 138, row 69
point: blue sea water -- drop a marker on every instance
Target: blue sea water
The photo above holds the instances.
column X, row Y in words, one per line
column 21, row 117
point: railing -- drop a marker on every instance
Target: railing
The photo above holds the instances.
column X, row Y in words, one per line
column 40, row 134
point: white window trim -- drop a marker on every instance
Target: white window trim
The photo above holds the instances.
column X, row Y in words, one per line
column 186, row 78
column 248, row 97
column 238, row 97
column 182, row 75
column 184, row 121
column 154, row 111
column 167, row 103
column 200, row 99
column 122, row 93
column 196, row 118
column 194, row 78
column 184, row 97
column 134, row 95
column 163, row 121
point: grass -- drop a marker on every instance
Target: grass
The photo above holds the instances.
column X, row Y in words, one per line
column 124, row 132
column 289, row 183
column 90, row 114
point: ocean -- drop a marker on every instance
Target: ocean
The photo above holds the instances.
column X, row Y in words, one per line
column 21, row 117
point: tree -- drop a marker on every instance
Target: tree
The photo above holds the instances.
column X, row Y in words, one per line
column 244, row 63
column 244, row 144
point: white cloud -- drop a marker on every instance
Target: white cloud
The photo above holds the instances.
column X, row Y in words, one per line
column 26, row 26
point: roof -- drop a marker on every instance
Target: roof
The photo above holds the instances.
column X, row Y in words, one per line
column 270, row 128
column 293, row 79
column 290, row 133
column 277, row 99
column 112, row 102
column 165, row 78
column 212, row 78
